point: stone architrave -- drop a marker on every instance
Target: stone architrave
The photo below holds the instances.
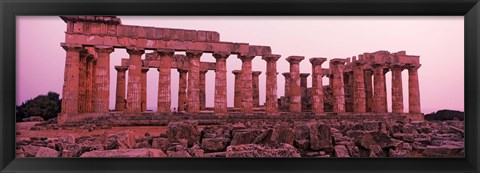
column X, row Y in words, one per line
column 397, row 89
column 164, row 101
column 286, row 91
column 144, row 88
column 237, row 100
column 82, row 79
column 295, row 90
column 71, row 78
column 202, row 92
column 102, row 78
column 271, row 84
column 89, row 84
column 121, row 88
column 247, row 92
column 134, row 88
column 193, row 91
column 255, row 88
column 337, row 66
column 317, row 84
column 220, row 103
column 359, row 98
column 379, row 93
column 182, row 90
column 413, row 89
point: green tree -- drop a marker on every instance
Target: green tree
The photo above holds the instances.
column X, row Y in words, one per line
column 46, row 106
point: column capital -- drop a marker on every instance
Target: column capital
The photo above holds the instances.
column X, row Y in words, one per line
column 182, row 70
column 121, row 68
column 165, row 52
column 203, row 71
column 145, row 69
column 104, row 49
column 193, row 53
column 378, row 65
column 271, row 57
column 359, row 62
column 246, row 58
column 286, row 74
column 317, row 60
column 71, row 46
column 397, row 67
column 295, row 59
column 237, row 72
column 135, row 51
column 256, row 73
column 304, row 75
column 221, row 55
column 338, row 61
column 413, row 67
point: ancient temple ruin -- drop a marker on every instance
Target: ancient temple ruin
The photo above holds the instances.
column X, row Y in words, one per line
column 356, row 85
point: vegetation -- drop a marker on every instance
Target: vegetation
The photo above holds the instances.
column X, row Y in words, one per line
column 445, row 115
column 45, row 106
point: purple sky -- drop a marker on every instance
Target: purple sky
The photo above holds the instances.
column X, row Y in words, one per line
column 439, row 41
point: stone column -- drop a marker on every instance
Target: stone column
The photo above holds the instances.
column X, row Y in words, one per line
column 256, row 91
column 220, row 104
column 368, row 90
column 70, row 83
column 237, row 100
column 120, row 97
column 385, row 71
column 303, row 88
column 295, row 90
column 134, row 88
column 82, row 79
column 203, row 86
column 89, row 85
column 413, row 89
column 303, row 80
column 379, row 93
column 164, row 101
column 397, row 89
column 271, row 106
column 193, row 92
column 287, row 84
column 337, row 67
column 317, row 85
column 144, row 89
column 102, row 78
column 348, row 90
column 359, row 98
column 247, row 92
column 182, row 89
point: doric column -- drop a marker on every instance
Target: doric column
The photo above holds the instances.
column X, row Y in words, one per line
column 120, row 97
column 368, row 90
column 70, row 83
column 202, row 88
column 82, row 79
column 359, row 99
column 397, row 89
column 164, row 101
column 317, row 84
column 303, row 80
column 295, row 90
column 255, row 88
column 379, row 93
column 303, row 88
column 193, row 92
column 337, row 67
column 247, row 92
column 102, row 78
column 286, row 91
column 271, row 84
column 182, row 89
column 237, row 100
column 134, row 88
column 348, row 89
column 385, row 71
column 220, row 103
column 144, row 89
column 89, row 85
column 413, row 89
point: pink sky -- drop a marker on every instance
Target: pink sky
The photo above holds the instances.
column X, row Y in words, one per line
column 439, row 41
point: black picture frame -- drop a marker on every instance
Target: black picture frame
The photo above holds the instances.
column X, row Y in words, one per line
column 470, row 9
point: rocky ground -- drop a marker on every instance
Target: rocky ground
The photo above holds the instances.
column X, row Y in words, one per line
column 250, row 138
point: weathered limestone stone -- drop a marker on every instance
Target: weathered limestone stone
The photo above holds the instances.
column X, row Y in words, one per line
column 164, row 89
column 102, row 78
column 247, row 92
column 203, row 85
column 255, row 87
column 359, row 99
column 143, row 152
column 134, row 87
column 337, row 65
column 287, row 84
column 193, row 92
column 47, row 152
column 369, row 104
column 237, row 101
column 220, row 105
column 317, row 84
column 71, row 78
column 303, row 87
column 295, row 90
column 385, row 71
column 82, row 79
column 348, row 90
column 177, row 131
column 413, row 89
column 89, row 85
column 271, row 80
column 144, row 88
column 379, row 93
column 397, row 89
column 182, row 89
column 121, row 88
